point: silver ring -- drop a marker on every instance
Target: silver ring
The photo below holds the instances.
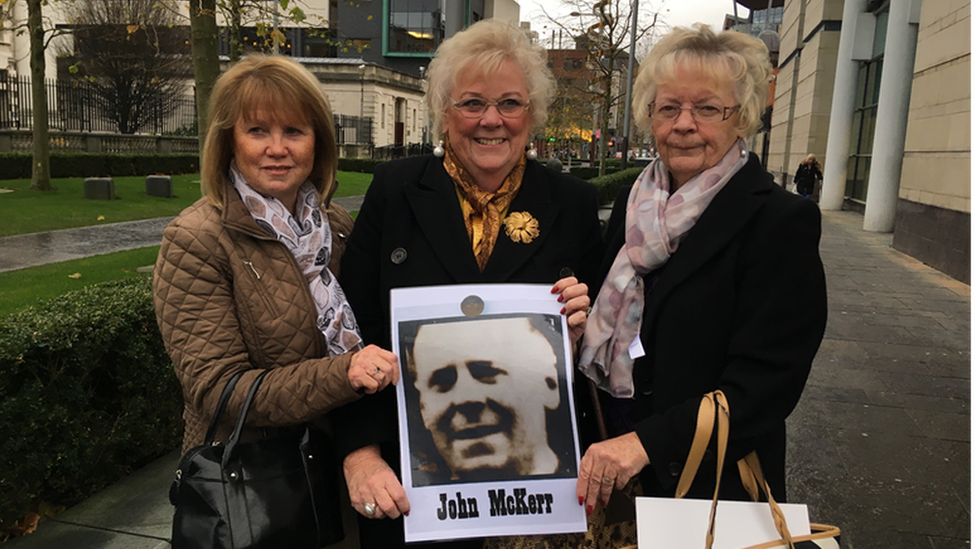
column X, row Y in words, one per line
column 377, row 369
column 370, row 509
column 607, row 480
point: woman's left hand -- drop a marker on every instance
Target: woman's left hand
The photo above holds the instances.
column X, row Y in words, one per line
column 609, row 465
column 573, row 296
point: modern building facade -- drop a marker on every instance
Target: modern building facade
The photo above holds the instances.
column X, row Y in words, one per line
column 879, row 90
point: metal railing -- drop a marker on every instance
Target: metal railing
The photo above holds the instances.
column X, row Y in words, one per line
column 353, row 130
column 78, row 106
column 391, row 152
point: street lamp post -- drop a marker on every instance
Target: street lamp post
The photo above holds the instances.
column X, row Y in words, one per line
column 630, row 84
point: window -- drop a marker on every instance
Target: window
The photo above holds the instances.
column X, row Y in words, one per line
column 383, row 115
column 415, row 26
column 572, row 64
column 866, row 116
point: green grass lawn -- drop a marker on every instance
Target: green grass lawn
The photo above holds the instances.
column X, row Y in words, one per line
column 24, row 287
column 26, row 211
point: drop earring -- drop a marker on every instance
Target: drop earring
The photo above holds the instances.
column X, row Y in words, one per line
column 744, row 153
column 531, row 154
column 439, row 150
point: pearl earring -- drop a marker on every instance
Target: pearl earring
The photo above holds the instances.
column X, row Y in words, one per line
column 744, row 153
column 439, row 149
column 531, row 154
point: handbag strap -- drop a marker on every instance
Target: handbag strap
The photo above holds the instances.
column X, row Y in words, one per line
column 221, row 404
column 235, row 436
column 713, row 416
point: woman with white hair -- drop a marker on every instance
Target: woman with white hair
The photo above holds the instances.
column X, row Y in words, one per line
column 479, row 210
column 713, row 280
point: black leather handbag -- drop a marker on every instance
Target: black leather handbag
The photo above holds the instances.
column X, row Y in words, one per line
column 274, row 492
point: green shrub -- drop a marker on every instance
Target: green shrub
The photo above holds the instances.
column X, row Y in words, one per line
column 18, row 165
column 589, row 172
column 608, row 185
column 362, row 165
column 87, row 394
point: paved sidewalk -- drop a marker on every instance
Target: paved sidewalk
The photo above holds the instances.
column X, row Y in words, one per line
column 29, row 250
column 879, row 444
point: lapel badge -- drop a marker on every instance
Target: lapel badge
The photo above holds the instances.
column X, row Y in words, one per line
column 521, row 227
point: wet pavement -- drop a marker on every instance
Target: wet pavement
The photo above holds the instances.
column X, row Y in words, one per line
column 29, row 250
column 879, row 444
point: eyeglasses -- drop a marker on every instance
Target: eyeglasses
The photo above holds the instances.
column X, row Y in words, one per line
column 704, row 114
column 475, row 107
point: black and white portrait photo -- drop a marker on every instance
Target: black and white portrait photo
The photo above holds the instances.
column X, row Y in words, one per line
column 487, row 399
column 486, row 412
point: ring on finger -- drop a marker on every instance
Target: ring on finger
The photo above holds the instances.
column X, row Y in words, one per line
column 607, row 480
column 377, row 370
column 369, row 509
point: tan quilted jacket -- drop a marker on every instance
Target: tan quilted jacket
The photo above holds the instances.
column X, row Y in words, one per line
column 228, row 297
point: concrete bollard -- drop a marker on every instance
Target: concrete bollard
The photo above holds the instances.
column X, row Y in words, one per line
column 100, row 188
column 159, row 185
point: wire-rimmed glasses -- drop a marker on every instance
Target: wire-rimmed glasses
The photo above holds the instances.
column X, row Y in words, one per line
column 704, row 114
column 475, row 107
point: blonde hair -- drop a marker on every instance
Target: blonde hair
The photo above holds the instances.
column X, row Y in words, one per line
column 485, row 46
column 739, row 60
column 285, row 90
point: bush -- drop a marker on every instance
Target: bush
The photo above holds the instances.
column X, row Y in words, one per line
column 18, row 165
column 607, row 186
column 87, row 394
column 362, row 165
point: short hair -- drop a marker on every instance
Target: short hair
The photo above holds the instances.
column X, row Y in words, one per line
column 485, row 46
column 735, row 58
column 281, row 87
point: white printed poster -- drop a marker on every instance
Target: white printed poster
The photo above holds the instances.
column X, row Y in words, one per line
column 487, row 421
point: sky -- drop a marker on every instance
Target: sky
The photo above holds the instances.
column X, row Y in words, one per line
column 675, row 12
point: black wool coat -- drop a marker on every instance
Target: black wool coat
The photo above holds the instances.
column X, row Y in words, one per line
column 741, row 306
column 410, row 232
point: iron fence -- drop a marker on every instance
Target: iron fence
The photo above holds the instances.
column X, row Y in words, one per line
column 391, row 152
column 77, row 106
column 353, row 130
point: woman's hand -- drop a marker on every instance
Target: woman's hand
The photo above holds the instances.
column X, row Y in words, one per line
column 573, row 296
column 609, row 465
column 371, row 480
column 372, row 368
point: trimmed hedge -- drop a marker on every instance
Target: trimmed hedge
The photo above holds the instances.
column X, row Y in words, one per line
column 18, row 165
column 608, row 185
column 362, row 165
column 589, row 172
column 87, row 394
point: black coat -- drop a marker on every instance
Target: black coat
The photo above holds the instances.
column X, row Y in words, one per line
column 806, row 178
column 741, row 306
column 412, row 208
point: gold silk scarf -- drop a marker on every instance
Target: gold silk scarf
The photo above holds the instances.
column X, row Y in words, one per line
column 482, row 210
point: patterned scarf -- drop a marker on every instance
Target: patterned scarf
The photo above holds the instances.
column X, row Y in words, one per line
column 656, row 223
column 482, row 210
column 310, row 241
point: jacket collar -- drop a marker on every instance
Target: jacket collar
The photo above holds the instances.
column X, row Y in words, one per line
column 434, row 202
column 235, row 215
column 722, row 220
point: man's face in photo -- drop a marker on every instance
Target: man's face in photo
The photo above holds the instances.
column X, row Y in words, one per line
column 484, row 387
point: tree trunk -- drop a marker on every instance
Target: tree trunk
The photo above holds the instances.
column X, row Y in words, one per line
column 234, row 30
column 206, row 65
column 41, row 166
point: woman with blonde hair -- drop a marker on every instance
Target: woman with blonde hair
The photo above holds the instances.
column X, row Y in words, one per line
column 807, row 176
column 479, row 210
column 713, row 279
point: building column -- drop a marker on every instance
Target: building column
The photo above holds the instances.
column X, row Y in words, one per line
column 841, row 111
column 889, row 133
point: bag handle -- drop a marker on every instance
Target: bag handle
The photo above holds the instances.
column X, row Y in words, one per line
column 713, row 415
column 221, row 404
column 236, row 434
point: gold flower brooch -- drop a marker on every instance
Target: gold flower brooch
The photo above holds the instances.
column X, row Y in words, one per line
column 521, row 227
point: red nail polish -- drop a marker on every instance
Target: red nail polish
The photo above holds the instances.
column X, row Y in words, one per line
column 554, row 290
column 560, row 298
column 605, row 502
column 562, row 311
column 581, row 501
column 406, row 513
column 589, row 509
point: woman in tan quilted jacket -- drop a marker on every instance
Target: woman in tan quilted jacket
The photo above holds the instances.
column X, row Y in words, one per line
column 246, row 276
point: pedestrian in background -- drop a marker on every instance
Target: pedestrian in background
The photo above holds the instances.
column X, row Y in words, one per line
column 807, row 176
